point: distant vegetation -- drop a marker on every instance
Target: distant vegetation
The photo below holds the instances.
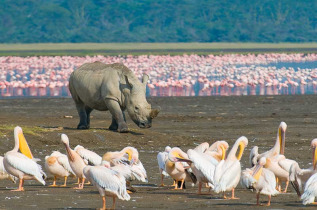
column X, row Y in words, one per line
column 42, row 21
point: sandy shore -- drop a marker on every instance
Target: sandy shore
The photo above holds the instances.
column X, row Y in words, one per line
column 183, row 122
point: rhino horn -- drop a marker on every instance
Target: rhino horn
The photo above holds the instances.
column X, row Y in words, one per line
column 154, row 113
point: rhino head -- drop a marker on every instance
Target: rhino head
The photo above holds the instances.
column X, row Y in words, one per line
column 139, row 109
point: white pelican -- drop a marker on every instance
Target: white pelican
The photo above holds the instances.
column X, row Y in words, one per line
column 108, row 182
column 21, row 165
column 277, row 149
column 298, row 177
column 276, row 161
column 176, row 169
column 261, row 180
column 228, row 171
column 75, row 161
column 91, row 157
column 128, row 157
column 216, row 150
column 4, row 174
column 58, row 165
column 161, row 160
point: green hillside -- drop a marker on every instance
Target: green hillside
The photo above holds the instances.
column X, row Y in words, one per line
column 54, row 21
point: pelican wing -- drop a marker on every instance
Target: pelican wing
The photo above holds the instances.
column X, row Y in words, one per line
column 91, row 157
column 161, row 159
column 202, row 147
column 270, row 183
column 310, row 191
column 286, row 164
column 26, row 165
column 247, row 179
column 109, row 180
column 207, row 168
column 63, row 160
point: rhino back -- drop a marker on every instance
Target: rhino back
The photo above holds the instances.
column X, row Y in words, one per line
column 92, row 83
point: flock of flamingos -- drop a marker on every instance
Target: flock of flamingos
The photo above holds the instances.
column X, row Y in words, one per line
column 186, row 75
column 207, row 165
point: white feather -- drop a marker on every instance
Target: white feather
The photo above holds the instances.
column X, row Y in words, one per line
column 161, row 160
column 108, row 179
column 26, row 165
column 88, row 155
column 207, row 168
column 310, row 191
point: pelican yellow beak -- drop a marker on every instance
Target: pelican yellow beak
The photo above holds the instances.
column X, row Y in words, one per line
column 223, row 152
column 314, row 157
column 281, row 134
column 241, row 146
column 129, row 152
column 257, row 172
column 24, row 147
column 180, row 158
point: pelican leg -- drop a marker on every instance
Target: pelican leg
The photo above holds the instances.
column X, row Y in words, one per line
column 65, row 180
column 103, row 203
column 277, row 184
column 174, row 183
column 269, row 201
column 224, row 195
column 113, row 202
column 81, row 184
column 199, row 188
column 162, row 183
column 54, row 183
column 78, row 181
column 287, row 182
column 232, row 195
column 258, row 199
column 20, row 186
column 182, row 184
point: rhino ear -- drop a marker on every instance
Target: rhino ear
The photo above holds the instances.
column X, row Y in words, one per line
column 128, row 81
column 145, row 78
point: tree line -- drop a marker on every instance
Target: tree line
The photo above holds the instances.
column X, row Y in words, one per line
column 41, row 21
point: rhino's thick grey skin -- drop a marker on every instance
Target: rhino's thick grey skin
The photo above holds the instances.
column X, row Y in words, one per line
column 111, row 87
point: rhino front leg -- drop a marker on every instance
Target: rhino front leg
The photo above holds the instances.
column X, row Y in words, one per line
column 118, row 119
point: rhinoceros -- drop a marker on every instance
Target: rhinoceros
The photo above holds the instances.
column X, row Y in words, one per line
column 112, row 87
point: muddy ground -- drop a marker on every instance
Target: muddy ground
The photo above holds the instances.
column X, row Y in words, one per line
column 183, row 122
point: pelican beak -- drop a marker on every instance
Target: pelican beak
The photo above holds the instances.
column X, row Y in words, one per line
column 257, row 172
column 282, row 140
column 242, row 146
column 223, row 152
column 296, row 187
column 24, row 147
column 179, row 158
column 129, row 152
column 314, row 157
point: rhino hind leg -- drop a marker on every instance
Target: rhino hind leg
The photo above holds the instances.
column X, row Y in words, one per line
column 84, row 116
column 118, row 118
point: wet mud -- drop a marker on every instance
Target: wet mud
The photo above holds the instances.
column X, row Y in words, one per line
column 183, row 121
